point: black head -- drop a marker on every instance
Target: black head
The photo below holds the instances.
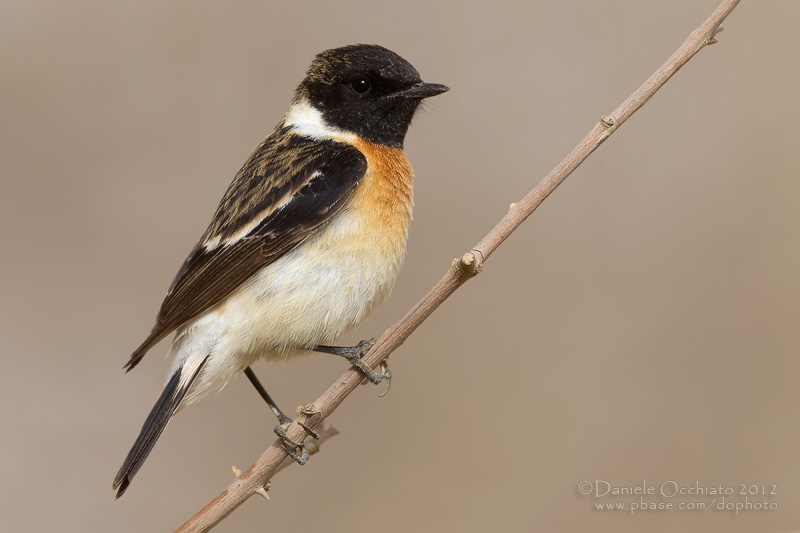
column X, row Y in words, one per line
column 368, row 90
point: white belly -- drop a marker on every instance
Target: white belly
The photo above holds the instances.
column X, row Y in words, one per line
column 315, row 293
column 311, row 296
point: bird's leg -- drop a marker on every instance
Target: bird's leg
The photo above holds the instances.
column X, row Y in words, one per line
column 354, row 354
column 284, row 420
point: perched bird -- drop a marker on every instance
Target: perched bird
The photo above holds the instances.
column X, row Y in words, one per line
column 306, row 242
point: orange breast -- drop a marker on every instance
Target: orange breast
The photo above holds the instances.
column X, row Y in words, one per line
column 385, row 194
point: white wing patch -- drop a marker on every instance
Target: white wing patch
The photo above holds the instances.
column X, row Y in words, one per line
column 246, row 230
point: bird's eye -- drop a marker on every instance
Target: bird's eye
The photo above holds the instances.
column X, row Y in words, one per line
column 360, row 86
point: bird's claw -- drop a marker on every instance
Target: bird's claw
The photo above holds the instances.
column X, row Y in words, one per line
column 387, row 373
column 301, row 459
column 289, row 444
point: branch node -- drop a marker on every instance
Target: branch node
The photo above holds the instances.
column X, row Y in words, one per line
column 471, row 263
column 260, row 490
column 311, row 413
column 610, row 124
column 609, row 121
column 713, row 38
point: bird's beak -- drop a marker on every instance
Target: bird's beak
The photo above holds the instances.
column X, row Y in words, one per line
column 424, row 90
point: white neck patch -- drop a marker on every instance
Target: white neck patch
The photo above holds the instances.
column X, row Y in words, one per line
column 304, row 119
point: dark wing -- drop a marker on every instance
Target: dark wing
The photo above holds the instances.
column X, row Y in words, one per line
column 289, row 187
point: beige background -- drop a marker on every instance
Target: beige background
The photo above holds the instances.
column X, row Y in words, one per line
column 642, row 325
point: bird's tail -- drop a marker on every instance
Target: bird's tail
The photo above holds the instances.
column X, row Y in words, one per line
column 176, row 389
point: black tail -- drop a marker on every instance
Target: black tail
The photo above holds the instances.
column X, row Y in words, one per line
column 157, row 420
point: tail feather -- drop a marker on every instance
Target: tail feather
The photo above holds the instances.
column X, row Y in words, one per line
column 176, row 389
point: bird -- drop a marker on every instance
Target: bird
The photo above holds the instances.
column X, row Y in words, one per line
column 307, row 240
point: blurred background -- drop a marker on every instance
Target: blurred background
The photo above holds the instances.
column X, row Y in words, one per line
column 641, row 327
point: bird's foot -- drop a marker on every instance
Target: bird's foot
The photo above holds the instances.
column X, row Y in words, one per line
column 354, row 354
column 291, row 447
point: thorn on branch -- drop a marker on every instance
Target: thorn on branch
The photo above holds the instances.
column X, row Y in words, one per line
column 326, row 431
column 263, row 492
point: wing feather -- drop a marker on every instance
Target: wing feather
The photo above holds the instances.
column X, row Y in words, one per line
column 255, row 224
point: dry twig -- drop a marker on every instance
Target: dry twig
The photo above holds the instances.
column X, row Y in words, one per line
column 258, row 475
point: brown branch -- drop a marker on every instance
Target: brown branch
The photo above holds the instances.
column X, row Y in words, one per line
column 470, row 264
column 324, row 432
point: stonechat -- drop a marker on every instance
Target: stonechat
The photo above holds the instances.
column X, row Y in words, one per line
column 306, row 242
